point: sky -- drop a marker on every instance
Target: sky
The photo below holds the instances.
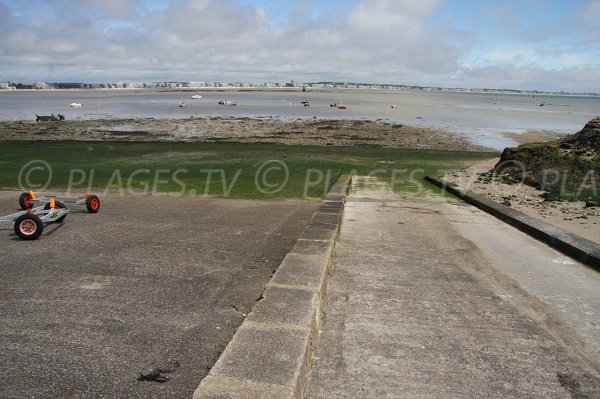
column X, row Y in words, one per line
column 515, row 44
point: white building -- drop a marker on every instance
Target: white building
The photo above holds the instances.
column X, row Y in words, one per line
column 41, row 86
column 6, row 86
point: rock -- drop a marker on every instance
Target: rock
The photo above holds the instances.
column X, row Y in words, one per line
column 556, row 166
column 157, row 374
column 590, row 134
column 154, row 375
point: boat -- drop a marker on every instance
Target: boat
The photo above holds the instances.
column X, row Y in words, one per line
column 196, row 96
column 394, row 106
column 333, row 105
column 342, row 106
column 75, row 105
column 51, row 117
column 305, row 103
column 227, row 102
column 181, row 104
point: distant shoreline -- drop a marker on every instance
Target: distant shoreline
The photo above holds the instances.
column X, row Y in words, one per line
column 313, row 90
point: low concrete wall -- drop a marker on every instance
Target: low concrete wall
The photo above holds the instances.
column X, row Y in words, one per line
column 575, row 246
column 270, row 355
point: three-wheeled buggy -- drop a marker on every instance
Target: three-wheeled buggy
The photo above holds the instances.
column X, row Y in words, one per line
column 38, row 211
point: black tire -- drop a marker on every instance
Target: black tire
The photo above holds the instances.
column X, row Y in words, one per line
column 58, row 205
column 93, row 204
column 28, row 227
column 24, row 199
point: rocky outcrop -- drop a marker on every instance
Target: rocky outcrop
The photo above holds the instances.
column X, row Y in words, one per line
column 567, row 168
column 589, row 136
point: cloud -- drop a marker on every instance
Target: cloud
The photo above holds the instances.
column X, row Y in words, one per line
column 588, row 16
column 382, row 18
column 509, row 76
column 117, row 9
column 369, row 40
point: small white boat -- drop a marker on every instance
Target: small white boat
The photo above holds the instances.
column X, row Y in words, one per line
column 394, row 106
column 227, row 102
column 196, row 96
column 75, row 105
column 181, row 104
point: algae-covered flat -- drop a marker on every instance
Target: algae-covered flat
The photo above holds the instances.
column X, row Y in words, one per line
column 219, row 169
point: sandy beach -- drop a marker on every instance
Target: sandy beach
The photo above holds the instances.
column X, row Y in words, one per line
column 242, row 130
column 533, row 136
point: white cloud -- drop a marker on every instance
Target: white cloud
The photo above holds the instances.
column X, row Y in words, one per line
column 119, row 9
column 375, row 40
column 402, row 19
column 550, row 58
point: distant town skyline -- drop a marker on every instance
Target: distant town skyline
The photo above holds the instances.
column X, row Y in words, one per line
column 546, row 45
column 200, row 85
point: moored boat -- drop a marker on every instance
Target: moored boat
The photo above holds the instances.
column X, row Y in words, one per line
column 51, row 117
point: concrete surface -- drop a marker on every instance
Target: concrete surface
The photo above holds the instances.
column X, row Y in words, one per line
column 432, row 298
column 148, row 282
column 270, row 355
column 570, row 244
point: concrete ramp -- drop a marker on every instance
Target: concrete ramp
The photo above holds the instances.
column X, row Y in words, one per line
column 432, row 298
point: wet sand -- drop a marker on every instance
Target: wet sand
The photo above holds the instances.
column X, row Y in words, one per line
column 533, row 136
column 242, row 130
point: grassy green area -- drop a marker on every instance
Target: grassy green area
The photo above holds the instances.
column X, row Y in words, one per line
column 237, row 170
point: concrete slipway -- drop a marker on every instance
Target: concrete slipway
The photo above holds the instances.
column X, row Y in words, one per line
column 428, row 297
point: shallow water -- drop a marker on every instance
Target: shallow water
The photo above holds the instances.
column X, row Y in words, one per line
column 480, row 117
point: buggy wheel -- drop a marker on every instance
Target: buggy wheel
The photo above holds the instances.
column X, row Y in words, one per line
column 28, row 227
column 24, row 199
column 57, row 205
column 92, row 204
